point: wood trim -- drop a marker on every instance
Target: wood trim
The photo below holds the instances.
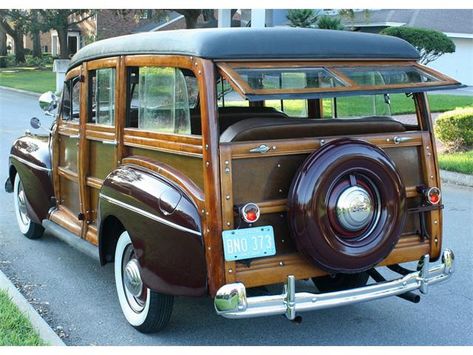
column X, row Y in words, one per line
column 102, row 63
column 68, row 131
column 226, row 174
column 172, row 174
column 99, row 136
column 165, row 146
column 177, row 138
column 212, row 221
column 120, row 107
column 94, row 182
column 92, row 235
column 73, row 73
column 241, row 150
column 275, row 269
column 68, row 174
column 84, row 148
column 179, row 61
column 66, row 219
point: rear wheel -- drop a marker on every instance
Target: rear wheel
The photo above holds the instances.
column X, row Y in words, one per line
column 146, row 310
column 29, row 228
column 340, row 282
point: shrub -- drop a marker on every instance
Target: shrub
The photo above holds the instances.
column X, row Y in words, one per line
column 455, row 128
column 302, row 18
column 39, row 62
column 330, row 23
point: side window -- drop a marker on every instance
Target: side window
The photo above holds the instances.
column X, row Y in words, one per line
column 70, row 106
column 102, row 96
column 160, row 99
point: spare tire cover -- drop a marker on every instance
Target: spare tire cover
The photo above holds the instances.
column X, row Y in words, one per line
column 347, row 206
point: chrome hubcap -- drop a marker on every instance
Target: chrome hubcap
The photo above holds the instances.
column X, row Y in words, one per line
column 354, row 208
column 132, row 277
column 22, row 205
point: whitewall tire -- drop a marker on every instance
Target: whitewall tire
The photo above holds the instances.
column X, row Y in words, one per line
column 146, row 310
column 29, row 228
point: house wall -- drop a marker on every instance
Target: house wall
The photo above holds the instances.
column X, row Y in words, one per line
column 458, row 65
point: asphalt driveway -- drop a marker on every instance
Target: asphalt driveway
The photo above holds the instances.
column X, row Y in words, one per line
column 77, row 296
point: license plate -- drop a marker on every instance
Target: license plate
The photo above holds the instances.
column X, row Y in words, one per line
column 248, row 243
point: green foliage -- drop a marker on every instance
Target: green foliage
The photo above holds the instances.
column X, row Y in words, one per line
column 330, row 23
column 302, row 18
column 461, row 162
column 15, row 328
column 431, row 44
column 42, row 62
column 455, row 128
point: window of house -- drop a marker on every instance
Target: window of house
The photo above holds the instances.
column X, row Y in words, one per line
column 160, row 99
column 70, row 106
column 102, row 96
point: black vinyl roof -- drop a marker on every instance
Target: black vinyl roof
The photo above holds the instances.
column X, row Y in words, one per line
column 250, row 43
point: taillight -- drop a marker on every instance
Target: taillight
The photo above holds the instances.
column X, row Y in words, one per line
column 433, row 195
column 250, row 212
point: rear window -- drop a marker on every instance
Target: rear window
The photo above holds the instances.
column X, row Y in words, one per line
column 387, row 76
column 272, row 80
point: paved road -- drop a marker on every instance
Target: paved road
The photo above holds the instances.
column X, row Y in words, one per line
column 77, row 295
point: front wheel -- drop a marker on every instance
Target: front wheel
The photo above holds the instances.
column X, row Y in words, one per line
column 30, row 229
column 146, row 310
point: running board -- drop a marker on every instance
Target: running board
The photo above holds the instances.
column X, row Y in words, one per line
column 71, row 239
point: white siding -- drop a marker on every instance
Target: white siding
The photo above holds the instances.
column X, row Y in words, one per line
column 458, row 65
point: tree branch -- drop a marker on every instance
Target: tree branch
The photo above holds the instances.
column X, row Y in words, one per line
column 82, row 20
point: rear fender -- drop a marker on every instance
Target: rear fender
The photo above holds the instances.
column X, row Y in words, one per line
column 164, row 225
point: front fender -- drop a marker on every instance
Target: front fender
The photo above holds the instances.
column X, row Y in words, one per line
column 164, row 226
column 30, row 158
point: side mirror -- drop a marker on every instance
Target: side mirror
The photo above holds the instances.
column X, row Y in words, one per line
column 35, row 123
column 48, row 102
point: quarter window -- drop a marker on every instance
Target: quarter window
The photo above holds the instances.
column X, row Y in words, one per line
column 102, row 96
column 71, row 100
column 160, row 99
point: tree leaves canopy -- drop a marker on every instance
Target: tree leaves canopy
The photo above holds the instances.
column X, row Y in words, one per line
column 431, row 44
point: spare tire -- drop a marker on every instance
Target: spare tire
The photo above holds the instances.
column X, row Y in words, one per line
column 347, row 206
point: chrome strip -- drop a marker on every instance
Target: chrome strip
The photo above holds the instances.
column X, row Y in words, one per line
column 231, row 301
column 30, row 164
column 148, row 215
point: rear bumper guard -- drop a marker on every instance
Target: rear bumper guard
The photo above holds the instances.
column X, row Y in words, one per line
column 231, row 301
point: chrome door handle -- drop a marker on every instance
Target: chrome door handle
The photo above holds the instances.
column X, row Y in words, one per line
column 263, row 148
column 398, row 140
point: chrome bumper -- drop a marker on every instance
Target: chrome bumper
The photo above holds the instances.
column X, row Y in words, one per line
column 231, row 300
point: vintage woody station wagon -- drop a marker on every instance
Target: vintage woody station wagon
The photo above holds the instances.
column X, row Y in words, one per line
column 211, row 162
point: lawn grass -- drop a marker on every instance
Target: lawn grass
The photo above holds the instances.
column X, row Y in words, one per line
column 458, row 162
column 15, row 328
column 29, row 79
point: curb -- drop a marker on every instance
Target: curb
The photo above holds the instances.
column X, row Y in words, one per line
column 20, row 91
column 456, row 178
column 38, row 323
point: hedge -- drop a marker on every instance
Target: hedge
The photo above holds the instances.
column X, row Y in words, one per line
column 455, row 128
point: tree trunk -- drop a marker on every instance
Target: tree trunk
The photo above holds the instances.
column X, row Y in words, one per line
column 19, row 47
column 36, row 44
column 191, row 21
column 3, row 49
column 64, row 50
